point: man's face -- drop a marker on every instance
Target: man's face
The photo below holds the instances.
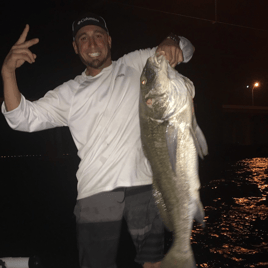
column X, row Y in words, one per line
column 93, row 45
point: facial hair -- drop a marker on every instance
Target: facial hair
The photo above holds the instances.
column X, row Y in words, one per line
column 96, row 63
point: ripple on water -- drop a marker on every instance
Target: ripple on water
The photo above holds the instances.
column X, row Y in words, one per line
column 236, row 233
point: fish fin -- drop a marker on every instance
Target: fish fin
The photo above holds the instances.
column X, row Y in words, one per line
column 197, row 145
column 171, row 139
column 199, row 139
column 199, row 213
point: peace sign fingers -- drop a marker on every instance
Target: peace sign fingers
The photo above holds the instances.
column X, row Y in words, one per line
column 20, row 53
column 23, row 36
column 22, row 43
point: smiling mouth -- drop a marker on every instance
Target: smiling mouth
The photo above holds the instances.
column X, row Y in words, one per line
column 92, row 55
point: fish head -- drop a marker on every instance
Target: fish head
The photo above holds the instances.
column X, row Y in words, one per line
column 154, row 85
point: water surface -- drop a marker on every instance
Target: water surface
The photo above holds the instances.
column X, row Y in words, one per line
column 235, row 201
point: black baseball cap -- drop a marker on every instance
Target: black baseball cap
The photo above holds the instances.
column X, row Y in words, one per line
column 88, row 19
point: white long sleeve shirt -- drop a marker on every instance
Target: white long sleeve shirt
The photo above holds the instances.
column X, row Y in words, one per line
column 102, row 113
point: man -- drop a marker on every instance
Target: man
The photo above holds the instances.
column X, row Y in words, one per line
column 100, row 107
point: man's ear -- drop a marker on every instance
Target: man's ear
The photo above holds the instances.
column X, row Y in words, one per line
column 75, row 47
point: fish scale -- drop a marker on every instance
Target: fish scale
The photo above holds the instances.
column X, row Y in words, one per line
column 162, row 170
column 171, row 138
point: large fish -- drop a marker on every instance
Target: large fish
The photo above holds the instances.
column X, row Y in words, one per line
column 171, row 142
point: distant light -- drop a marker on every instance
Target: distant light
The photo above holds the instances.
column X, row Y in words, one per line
column 256, row 84
column 247, row 86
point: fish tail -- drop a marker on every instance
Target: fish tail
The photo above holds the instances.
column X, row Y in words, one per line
column 176, row 259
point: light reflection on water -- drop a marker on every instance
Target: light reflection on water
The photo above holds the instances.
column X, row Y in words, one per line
column 236, row 233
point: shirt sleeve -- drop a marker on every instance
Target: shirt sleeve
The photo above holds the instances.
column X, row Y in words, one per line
column 187, row 49
column 48, row 112
column 138, row 58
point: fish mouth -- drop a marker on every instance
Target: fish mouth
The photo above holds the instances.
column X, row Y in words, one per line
column 154, row 95
column 158, row 60
column 149, row 102
column 93, row 55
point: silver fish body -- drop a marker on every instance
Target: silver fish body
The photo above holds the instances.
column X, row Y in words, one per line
column 171, row 142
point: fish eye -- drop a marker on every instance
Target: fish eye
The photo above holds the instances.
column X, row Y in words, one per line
column 143, row 82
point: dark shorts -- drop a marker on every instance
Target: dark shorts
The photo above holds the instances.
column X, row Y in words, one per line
column 99, row 218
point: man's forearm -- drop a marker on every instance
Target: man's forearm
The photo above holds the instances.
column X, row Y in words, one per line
column 12, row 96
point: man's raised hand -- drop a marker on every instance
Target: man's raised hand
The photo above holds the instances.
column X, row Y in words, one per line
column 171, row 50
column 19, row 53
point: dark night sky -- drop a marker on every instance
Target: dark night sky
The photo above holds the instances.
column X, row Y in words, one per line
column 38, row 195
column 230, row 41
